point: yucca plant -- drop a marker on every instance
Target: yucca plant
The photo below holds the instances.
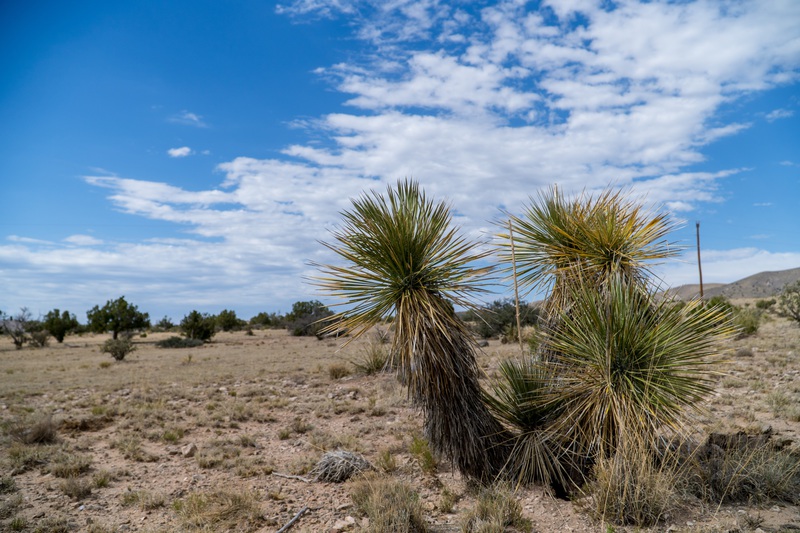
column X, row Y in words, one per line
column 559, row 240
column 613, row 362
column 628, row 366
column 522, row 399
column 404, row 259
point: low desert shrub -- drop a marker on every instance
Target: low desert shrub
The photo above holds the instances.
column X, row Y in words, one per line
column 76, row 488
column 632, row 488
column 789, row 302
column 391, row 505
column 221, row 510
column 338, row 371
column 741, row 468
column 118, row 348
column 35, row 429
column 495, row 510
column 179, row 342
column 421, row 450
column 373, row 359
column 201, row 326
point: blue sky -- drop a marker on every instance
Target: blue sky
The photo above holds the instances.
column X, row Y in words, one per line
column 190, row 155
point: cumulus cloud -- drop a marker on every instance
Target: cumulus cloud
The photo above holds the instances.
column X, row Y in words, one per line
column 183, row 151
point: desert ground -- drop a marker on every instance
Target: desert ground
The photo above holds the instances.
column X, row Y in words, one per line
column 225, row 436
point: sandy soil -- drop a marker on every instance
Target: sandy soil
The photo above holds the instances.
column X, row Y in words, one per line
column 244, row 414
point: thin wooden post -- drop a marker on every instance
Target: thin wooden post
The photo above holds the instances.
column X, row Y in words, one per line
column 516, row 289
column 699, row 266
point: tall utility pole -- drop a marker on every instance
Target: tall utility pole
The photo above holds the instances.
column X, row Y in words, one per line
column 699, row 266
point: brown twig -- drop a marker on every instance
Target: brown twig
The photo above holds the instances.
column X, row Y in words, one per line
column 294, row 519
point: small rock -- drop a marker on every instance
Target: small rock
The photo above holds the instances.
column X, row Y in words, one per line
column 189, row 450
column 766, row 429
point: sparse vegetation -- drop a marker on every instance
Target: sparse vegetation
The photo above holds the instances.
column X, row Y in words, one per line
column 118, row 348
column 199, row 326
column 307, row 318
column 179, row 342
column 789, row 301
column 391, row 505
column 117, row 316
column 60, row 324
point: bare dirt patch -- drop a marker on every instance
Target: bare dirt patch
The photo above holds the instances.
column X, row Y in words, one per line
column 173, row 439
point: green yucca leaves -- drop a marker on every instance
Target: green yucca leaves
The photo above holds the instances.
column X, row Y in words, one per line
column 592, row 237
column 403, row 259
column 400, row 251
column 629, row 366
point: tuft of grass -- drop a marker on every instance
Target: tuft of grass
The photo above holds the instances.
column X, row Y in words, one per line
column 70, row 465
column 495, row 510
column 391, row 505
column 421, row 450
column 748, row 471
column 631, row 488
column 144, row 499
column 338, row 466
column 221, row 511
column 76, row 488
column 386, row 461
column 374, row 359
column 338, row 371
column 9, row 506
column 34, row 429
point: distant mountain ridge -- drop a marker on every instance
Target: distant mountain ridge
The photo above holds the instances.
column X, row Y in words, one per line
column 761, row 285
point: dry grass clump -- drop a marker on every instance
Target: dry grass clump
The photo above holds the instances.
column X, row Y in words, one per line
column 221, row 511
column 68, row 465
column 742, row 468
column 391, row 505
column 338, row 371
column 374, row 358
column 76, row 488
column 633, row 487
column 496, row 510
column 339, row 466
column 34, row 429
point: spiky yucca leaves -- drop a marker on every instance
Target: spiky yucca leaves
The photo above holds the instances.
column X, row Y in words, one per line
column 595, row 238
column 522, row 398
column 404, row 259
column 629, row 366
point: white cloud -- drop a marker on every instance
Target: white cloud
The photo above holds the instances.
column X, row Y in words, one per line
column 183, row 151
column 187, row 118
column 726, row 266
column 83, row 240
column 483, row 107
column 778, row 114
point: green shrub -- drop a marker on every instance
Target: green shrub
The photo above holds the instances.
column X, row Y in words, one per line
column 59, row 323
column 201, row 326
column 117, row 316
column 179, row 342
column 118, row 348
column 228, row 321
column 766, row 305
column 500, row 317
column 789, row 301
column 307, row 318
